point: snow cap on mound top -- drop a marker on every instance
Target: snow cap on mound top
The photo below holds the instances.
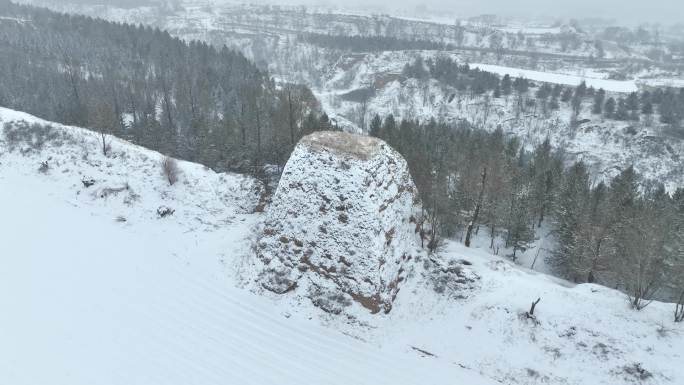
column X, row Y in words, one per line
column 341, row 224
column 359, row 146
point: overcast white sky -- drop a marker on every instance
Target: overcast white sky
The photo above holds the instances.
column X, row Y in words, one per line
column 627, row 11
column 622, row 11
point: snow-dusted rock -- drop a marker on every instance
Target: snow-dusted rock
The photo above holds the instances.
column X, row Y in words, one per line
column 341, row 224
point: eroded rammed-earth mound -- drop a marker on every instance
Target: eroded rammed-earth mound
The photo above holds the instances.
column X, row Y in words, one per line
column 340, row 227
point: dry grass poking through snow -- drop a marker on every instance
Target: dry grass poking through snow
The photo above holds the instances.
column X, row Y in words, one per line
column 359, row 146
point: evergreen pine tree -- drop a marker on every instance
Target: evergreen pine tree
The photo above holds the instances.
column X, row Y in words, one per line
column 599, row 98
column 375, row 128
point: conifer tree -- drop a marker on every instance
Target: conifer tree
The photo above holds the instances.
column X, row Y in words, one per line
column 375, row 127
column 599, row 98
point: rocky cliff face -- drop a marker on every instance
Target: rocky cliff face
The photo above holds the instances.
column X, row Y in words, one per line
column 341, row 227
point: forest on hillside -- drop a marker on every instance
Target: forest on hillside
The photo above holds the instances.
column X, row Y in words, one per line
column 370, row 43
column 662, row 104
column 625, row 233
column 187, row 100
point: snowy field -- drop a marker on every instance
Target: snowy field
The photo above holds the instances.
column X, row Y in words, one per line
column 96, row 288
column 90, row 301
column 556, row 78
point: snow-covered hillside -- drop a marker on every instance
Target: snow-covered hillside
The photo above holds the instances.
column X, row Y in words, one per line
column 97, row 288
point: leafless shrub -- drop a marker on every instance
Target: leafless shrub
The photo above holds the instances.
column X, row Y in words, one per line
column 11, row 136
column 44, row 167
column 34, row 135
column 604, row 351
column 107, row 191
column 641, row 294
column 663, row 331
column 164, row 211
column 170, row 170
column 87, row 182
column 532, row 373
column 637, row 372
column 643, row 271
column 432, row 234
column 131, row 198
column 554, row 352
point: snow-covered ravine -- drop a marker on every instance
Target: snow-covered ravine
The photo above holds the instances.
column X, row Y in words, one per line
column 606, row 145
column 88, row 298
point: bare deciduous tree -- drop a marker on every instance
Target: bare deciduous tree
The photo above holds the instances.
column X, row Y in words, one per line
column 480, row 199
column 679, row 308
column 105, row 145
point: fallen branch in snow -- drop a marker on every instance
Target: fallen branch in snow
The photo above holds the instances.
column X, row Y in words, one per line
column 423, row 352
column 530, row 314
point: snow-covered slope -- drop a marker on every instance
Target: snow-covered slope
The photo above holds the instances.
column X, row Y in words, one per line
column 88, row 298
